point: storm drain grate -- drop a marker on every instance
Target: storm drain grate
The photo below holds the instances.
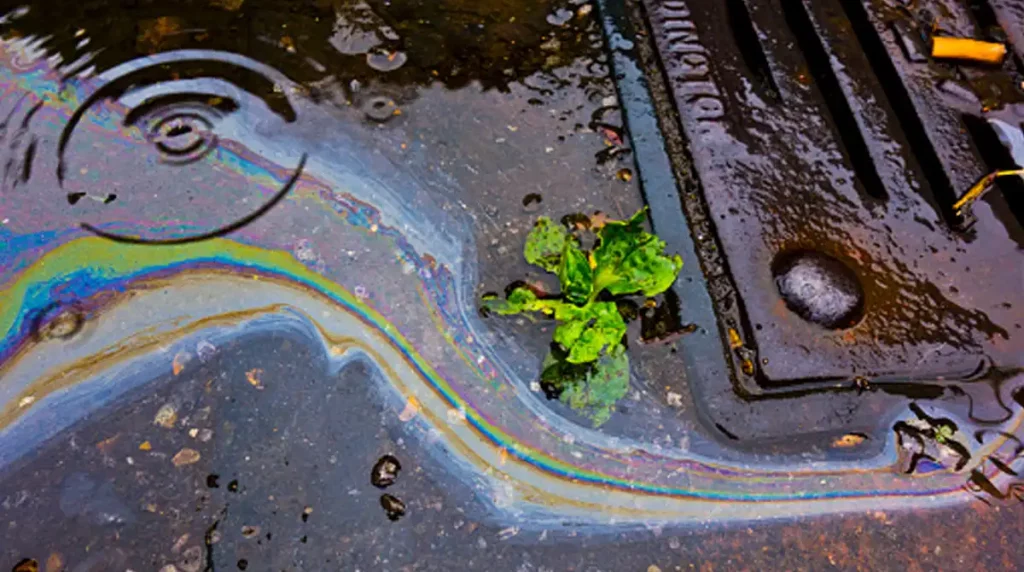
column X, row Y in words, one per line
column 831, row 150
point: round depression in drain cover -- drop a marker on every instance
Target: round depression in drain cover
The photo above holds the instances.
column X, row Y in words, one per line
column 819, row 288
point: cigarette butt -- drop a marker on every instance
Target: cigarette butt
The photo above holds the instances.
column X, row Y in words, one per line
column 967, row 49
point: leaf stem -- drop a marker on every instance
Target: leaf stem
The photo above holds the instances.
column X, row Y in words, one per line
column 979, row 188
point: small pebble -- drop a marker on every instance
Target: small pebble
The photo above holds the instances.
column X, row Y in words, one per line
column 674, row 399
column 185, row 456
column 166, row 416
column 192, row 559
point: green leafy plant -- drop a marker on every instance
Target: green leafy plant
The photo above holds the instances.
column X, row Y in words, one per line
column 944, row 433
column 588, row 365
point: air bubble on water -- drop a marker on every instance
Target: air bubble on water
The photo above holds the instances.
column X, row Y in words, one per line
column 385, row 60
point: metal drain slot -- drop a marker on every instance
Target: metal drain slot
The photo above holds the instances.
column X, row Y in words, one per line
column 847, row 125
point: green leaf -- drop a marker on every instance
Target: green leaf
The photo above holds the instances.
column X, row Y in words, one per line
column 588, row 364
column 646, row 269
column 944, row 433
column 575, row 274
column 595, row 390
column 545, row 243
column 521, row 300
column 631, row 260
column 561, row 374
column 617, row 238
column 585, row 331
column 582, row 330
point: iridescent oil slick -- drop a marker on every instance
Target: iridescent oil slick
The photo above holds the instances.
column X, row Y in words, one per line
column 252, row 215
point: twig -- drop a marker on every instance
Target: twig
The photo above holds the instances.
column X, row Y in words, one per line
column 979, row 188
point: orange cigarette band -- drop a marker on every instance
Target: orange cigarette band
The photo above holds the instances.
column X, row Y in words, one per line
column 967, row 49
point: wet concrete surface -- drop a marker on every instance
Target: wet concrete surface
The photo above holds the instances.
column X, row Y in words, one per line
column 281, row 481
column 505, row 112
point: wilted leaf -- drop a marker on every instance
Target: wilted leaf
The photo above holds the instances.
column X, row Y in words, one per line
column 591, row 389
column 159, row 34
column 545, row 243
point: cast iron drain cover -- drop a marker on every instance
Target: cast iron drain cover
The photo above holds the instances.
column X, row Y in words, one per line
column 821, row 127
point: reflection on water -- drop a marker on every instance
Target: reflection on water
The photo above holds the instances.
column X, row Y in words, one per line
column 181, row 181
